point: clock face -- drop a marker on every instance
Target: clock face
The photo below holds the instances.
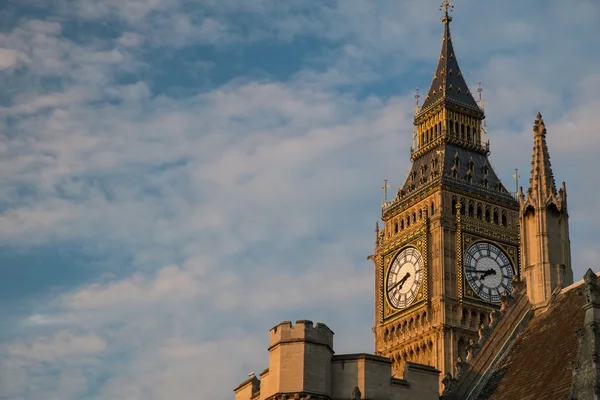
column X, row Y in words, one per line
column 404, row 278
column 488, row 271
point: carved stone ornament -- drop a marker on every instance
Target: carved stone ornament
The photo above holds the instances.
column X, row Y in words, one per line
column 591, row 289
column 449, row 384
column 517, row 284
column 506, row 299
column 495, row 317
column 461, row 367
column 472, row 350
column 356, row 394
column 484, row 332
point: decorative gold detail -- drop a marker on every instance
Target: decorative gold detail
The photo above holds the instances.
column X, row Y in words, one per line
column 459, row 250
column 392, row 251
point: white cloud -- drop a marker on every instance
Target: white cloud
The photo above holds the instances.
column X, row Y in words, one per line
column 61, row 344
column 250, row 201
column 130, row 39
column 8, row 58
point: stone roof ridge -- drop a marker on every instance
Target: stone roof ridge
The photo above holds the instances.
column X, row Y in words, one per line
column 555, row 356
column 578, row 283
column 448, row 84
column 504, row 326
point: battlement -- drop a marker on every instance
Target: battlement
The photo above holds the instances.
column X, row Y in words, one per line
column 302, row 331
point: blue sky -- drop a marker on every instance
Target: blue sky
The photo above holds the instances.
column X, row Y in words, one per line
column 179, row 176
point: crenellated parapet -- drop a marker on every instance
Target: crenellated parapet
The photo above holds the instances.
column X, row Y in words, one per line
column 302, row 367
column 302, row 331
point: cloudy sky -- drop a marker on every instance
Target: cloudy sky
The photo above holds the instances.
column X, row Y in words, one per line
column 178, row 176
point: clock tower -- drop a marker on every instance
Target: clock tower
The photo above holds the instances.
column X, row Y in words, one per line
column 449, row 244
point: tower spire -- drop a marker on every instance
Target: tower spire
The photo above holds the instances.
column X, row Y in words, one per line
column 544, row 224
column 448, row 84
column 541, row 181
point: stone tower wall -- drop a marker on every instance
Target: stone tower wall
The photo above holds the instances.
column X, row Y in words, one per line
column 300, row 358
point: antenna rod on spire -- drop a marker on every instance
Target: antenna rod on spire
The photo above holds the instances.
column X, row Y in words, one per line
column 415, row 132
column 385, row 188
column 482, row 106
column 516, row 176
column 417, row 101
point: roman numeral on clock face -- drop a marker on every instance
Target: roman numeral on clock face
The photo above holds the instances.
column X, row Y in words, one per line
column 404, row 277
column 487, row 270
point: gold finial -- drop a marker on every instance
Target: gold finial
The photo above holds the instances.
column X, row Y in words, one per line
column 446, row 7
column 415, row 130
column 516, row 176
column 385, row 188
column 482, row 106
column 417, row 97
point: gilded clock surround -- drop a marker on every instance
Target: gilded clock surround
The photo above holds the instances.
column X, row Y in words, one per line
column 389, row 311
column 469, row 293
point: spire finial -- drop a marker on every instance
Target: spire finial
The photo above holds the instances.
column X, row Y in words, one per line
column 417, row 97
column 516, row 176
column 385, row 188
column 446, row 7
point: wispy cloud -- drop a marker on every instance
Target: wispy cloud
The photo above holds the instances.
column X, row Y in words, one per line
column 219, row 163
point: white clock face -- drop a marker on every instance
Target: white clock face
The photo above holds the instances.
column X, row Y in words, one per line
column 488, row 271
column 404, row 278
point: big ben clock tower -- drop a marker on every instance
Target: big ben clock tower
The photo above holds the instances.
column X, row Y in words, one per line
column 449, row 244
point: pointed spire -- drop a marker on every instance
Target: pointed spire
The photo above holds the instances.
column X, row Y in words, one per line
column 541, row 182
column 448, row 82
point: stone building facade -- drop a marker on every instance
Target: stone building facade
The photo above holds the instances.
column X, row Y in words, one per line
column 466, row 274
column 302, row 365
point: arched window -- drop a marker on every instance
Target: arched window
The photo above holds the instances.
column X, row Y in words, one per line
column 463, row 209
column 496, row 217
column 432, row 208
column 396, row 227
column 402, row 224
column 487, row 215
column 468, row 133
column 471, row 210
column 503, row 219
column 479, row 211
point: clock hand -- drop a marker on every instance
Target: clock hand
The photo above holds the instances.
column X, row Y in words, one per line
column 489, row 272
column 403, row 280
column 400, row 282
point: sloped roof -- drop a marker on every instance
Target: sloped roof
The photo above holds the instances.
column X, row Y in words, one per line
column 448, row 82
column 466, row 156
column 537, row 365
